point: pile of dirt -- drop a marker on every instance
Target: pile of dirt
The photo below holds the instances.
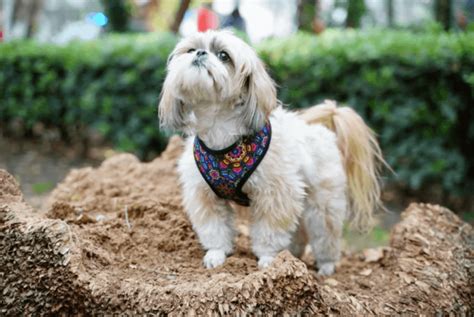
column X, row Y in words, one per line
column 116, row 239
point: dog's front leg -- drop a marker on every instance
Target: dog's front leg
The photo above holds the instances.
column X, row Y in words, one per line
column 275, row 218
column 212, row 219
column 267, row 241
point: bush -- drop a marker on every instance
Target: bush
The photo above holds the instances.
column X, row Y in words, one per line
column 111, row 86
column 415, row 90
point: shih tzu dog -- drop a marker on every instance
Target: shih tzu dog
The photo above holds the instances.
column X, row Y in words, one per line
column 300, row 174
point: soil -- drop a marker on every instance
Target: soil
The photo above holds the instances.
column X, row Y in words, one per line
column 116, row 239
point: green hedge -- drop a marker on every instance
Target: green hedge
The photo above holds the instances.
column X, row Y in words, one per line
column 416, row 91
column 109, row 86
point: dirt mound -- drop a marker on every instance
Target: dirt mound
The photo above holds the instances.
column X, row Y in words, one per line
column 115, row 239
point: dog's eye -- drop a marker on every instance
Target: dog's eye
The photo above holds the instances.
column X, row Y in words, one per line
column 223, row 56
column 191, row 50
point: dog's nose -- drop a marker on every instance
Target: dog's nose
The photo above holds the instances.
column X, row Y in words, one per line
column 200, row 53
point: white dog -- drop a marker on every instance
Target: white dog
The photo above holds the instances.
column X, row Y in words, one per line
column 300, row 174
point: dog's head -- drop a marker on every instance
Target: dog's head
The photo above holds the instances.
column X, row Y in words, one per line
column 216, row 68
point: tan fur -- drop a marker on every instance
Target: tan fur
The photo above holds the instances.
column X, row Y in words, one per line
column 330, row 227
column 208, row 200
column 361, row 155
column 261, row 93
column 170, row 110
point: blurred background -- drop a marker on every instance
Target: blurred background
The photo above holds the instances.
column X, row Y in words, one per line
column 80, row 80
column 60, row 21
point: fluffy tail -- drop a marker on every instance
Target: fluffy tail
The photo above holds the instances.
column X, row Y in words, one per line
column 361, row 155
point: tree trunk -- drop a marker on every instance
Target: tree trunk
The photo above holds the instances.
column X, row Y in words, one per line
column 443, row 12
column 183, row 6
column 355, row 12
column 306, row 14
column 390, row 13
column 318, row 23
column 151, row 9
column 118, row 12
column 32, row 16
column 8, row 8
column 16, row 11
column 22, row 12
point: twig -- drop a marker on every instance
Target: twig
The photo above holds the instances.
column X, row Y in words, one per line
column 126, row 218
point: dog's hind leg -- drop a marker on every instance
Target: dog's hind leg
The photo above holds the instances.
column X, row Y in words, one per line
column 323, row 218
column 298, row 241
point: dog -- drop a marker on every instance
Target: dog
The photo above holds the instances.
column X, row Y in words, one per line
column 300, row 174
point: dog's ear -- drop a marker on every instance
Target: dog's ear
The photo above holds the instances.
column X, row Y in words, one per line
column 260, row 98
column 170, row 57
column 171, row 110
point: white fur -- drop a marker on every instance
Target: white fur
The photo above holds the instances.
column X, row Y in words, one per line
column 298, row 192
column 299, row 183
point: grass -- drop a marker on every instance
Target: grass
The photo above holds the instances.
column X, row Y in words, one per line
column 355, row 241
column 468, row 216
column 42, row 187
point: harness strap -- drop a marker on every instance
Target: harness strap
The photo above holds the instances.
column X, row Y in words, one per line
column 227, row 170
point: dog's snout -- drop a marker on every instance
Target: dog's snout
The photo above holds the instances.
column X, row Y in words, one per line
column 201, row 56
column 200, row 53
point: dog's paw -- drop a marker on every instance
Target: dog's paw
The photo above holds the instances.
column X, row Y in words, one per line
column 265, row 262
column 214, row 258
column 327, row 268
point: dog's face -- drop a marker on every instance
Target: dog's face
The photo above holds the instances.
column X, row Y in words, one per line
column 216, row 68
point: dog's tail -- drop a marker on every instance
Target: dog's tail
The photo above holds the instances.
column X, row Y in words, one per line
column 361, row 155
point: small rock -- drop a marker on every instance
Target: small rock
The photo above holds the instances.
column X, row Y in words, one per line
column 331, row 282
column 373, row 255
column 365, row 272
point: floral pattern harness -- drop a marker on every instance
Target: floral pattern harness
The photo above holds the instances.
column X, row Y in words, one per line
column 227, row 170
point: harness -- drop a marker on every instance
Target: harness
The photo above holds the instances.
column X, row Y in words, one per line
column 227, row 170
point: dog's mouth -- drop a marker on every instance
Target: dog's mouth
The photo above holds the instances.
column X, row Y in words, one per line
column 197, row 62
column 200, row 63
column 205, row 72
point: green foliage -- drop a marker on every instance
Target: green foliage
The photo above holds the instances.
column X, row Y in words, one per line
column 415, row 90
column 42, row 188
column 111, row 86
column 468, row 217
column 377, row 237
